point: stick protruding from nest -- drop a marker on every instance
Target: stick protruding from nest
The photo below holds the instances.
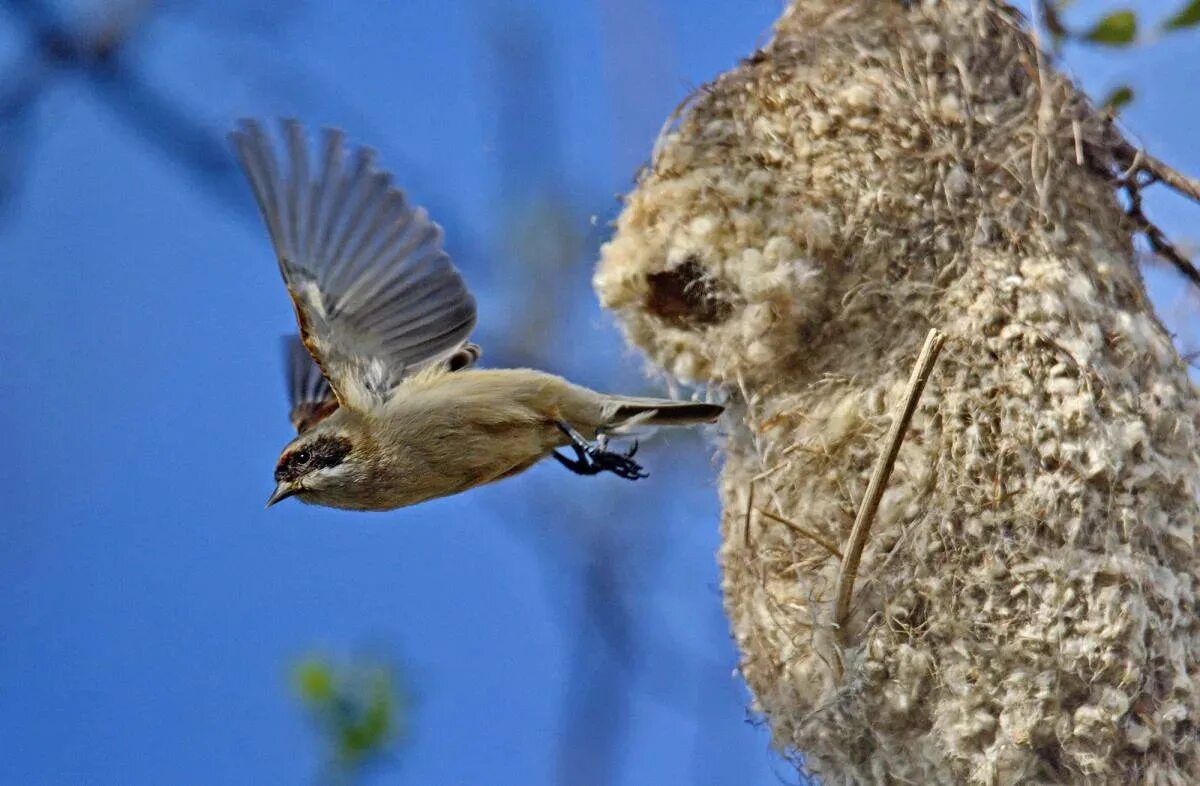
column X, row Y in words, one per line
column 848, row 571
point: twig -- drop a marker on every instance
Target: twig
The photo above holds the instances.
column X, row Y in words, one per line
column 814, row 537
column 1156, row 237
column 1134, row 162
column 1051, row 19
column 1139, row 160
column 848, row 571
column 1164, row 248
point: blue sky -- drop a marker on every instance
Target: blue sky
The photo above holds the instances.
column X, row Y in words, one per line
column 150, row 608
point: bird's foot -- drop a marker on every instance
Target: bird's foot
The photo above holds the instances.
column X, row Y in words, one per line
column 592, row 458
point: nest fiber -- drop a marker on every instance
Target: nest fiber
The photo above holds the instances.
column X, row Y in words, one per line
column 1025, row 608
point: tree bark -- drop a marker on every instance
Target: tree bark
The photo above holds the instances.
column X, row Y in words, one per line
column 1025, row 606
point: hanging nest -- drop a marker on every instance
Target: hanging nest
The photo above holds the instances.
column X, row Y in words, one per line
column 1025, row 606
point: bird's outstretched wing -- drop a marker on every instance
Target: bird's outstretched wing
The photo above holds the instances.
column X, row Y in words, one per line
column 376, row 296
column 310, row 398
column 309, row 395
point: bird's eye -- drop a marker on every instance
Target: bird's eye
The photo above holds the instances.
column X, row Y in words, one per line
column 302, row 456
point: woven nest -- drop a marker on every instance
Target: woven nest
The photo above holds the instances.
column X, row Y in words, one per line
column 1025, row 608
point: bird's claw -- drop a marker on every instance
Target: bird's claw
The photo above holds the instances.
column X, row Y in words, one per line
column 592, row 458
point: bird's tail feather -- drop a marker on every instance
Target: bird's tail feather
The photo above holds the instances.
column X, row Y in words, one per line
column 627, row 414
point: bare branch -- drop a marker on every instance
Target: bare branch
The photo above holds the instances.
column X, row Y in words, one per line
column 1158, row 240
column 1164, row 247
column 1138, row 160
column 1139, row 169
column 1051, row 19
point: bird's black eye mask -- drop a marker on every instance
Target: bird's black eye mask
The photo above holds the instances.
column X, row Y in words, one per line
column 321, row 452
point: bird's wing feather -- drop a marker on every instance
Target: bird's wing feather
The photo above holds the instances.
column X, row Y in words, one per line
column 309, row 395
column 376, row 297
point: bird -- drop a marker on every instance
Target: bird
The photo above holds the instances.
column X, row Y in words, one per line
column 389, row 405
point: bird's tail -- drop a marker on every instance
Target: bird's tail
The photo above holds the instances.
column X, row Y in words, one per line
column 623, row 415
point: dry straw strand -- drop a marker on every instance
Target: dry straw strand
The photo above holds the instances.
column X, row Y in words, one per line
column 824, row 543
column 848, row 571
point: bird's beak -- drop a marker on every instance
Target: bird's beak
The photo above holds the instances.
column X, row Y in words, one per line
column 282, row 491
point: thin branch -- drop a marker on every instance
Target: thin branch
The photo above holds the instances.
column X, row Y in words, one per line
column 1155, row 236
column 1139, row 160
column 160, row 122
column 1134, row 162
column 58, row 50
column 848, row 571
column 1051, row 19
column 1139, row 169
column 814, row 537
column 24, row 85
column 1164, row 247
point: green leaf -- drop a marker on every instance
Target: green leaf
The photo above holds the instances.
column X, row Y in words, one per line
column 1188, row 16
column 369, row 730
column 356, row 707
column 1118, row 98
column 313, row 680
column 1117, row 29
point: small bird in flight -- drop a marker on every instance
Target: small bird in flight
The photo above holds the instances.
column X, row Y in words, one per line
column 387, row 403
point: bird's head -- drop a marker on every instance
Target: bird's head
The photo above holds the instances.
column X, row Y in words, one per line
column 321, row 466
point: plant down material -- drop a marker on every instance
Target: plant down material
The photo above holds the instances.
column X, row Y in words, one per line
column 1025, row 607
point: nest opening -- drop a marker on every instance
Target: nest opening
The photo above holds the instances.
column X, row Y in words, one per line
column 686, row 295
